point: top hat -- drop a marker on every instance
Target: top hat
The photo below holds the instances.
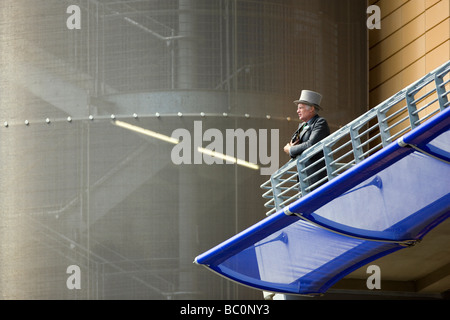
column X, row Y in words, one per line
column 310, row 97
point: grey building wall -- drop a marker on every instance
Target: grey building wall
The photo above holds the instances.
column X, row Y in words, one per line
column 76, row 189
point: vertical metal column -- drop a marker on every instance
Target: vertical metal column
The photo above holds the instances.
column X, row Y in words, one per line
column 187, row 46
column 188, row 209
column 187, row 222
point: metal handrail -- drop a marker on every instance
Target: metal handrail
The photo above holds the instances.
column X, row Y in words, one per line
column 361, row 138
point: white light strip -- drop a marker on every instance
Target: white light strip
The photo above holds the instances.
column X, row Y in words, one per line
column 228, row 158
column 146, row 132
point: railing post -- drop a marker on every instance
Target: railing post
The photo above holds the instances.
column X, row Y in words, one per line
column 356, row 144
column 328, row 160
column 412, row 108
column 440, row 90
column 384, row 128
column 302, row 175
column 275, row 192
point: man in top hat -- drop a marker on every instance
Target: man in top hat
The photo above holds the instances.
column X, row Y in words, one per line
column 313, row 129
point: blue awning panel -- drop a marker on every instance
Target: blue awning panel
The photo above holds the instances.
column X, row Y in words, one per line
column 379, row 206
column 299, row 258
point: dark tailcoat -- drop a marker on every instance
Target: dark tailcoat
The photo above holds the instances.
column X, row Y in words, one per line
column 306, row 136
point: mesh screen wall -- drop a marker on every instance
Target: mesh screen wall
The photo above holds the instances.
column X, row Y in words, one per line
column 78, row 190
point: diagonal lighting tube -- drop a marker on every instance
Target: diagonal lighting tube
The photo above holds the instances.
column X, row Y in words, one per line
column 165, row 138
column 146, row 132
column 219, row 155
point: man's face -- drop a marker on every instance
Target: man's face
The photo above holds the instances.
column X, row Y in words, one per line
column 305, row 112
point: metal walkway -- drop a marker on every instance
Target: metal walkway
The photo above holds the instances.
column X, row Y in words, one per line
column 386, row 188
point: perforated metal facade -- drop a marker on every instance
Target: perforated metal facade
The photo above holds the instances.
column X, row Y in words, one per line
column 77, row 190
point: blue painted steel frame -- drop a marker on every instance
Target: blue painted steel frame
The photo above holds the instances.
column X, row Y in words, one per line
column 300, row 251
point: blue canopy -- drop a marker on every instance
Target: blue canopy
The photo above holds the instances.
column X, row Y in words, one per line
column 379, row 206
